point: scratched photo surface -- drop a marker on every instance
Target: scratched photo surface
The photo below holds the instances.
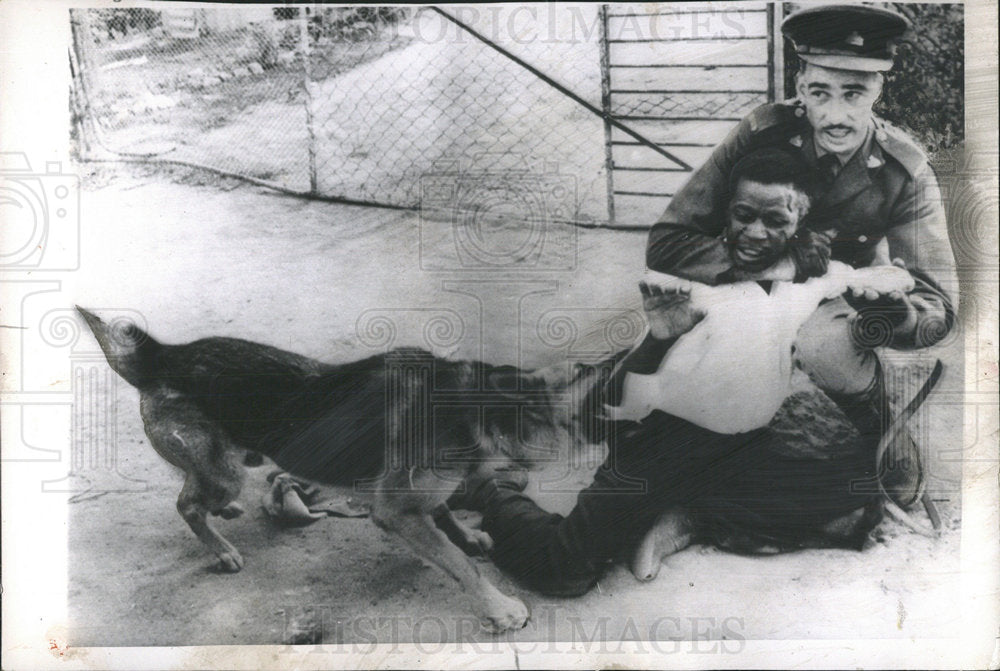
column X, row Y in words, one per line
column 335, row 314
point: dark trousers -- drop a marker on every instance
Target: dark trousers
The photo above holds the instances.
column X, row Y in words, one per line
column 731, row 481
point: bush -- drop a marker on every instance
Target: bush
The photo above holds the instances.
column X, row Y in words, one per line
column 112, row 23
column 924, row 92
column 345, row 23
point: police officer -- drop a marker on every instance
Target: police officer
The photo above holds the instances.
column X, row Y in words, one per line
column 874, row 183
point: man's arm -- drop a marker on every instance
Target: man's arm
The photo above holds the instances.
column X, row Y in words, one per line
column 686, row 241
column 918, row 235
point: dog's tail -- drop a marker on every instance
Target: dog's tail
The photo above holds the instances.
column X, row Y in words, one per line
column 128, row 349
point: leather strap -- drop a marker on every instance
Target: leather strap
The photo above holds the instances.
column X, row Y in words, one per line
column 897, row 426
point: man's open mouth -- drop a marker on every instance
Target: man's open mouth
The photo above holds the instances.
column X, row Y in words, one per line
column 749, row 254
column 838, row 133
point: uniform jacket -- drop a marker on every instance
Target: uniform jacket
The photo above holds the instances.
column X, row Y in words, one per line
column 887, row 189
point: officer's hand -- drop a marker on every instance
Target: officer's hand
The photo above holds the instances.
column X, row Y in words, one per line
column 884, row 318
column 810, row 251
column 669, row 311
column 871, row 281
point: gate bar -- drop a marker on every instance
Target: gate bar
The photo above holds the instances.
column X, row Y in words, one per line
column 665, row 91
column 666, row 144
column 562, row 89
column 609, row 161
column 689, row 39
column 631, row 117
column 687, row 13
column 775, row 55
column 703, row 66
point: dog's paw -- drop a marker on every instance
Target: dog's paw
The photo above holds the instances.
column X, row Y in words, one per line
column 230, row 561
column 476, row 543
column 503, row 613
column 231, row 511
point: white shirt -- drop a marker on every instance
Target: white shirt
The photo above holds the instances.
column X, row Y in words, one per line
column 733, row 370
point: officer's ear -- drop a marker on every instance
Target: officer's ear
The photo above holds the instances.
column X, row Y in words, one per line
column 799, row 76
column 879, row 87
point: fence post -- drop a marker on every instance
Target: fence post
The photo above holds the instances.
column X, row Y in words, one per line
column 79, row 61
column 606, row 107
column 307, row 97
column 775, row 54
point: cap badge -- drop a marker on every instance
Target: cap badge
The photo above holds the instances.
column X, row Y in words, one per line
column 855, row 39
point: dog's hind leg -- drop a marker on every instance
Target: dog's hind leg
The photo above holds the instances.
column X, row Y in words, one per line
column 410, row 517
column 191, row 504
column 182, row 435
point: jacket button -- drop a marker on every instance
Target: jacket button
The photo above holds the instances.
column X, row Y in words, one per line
column 862, row 238
column 799, row 111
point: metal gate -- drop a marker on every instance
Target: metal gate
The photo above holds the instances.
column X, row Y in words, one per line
column 680, row 76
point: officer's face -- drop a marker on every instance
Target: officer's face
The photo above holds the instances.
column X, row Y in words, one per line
column 762, row 217
column 839, row 105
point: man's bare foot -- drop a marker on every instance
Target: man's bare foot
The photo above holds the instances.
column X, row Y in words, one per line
column 670, row 533
column 669, row 311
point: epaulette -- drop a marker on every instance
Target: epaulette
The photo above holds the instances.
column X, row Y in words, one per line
column 789, row 112
column 898, row 144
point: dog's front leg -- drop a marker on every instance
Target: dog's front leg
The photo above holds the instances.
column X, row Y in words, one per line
column 471, row 541
column 496, row 611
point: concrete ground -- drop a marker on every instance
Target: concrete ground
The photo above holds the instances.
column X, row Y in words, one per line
column 339, row 282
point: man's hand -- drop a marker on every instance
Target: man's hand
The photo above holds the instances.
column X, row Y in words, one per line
column 810, row 251
column 669, row 311
column 872, row 281
column 884, row 318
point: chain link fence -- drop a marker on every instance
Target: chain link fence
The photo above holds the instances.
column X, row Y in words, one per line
column 369, row 104
column 552, row 111
column 449, row 105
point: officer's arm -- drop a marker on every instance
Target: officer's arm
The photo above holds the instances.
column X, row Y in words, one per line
column 686, row 241
column 919, row 236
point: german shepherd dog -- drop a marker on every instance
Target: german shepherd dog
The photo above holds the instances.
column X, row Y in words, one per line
column 369, row 424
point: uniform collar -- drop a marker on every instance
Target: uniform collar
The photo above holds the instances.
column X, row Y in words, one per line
column 854, row 176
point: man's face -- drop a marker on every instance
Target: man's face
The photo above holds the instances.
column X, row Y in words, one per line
column 839, row 105
column 762, row 217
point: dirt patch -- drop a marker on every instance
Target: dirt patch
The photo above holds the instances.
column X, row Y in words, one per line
column 199, row 261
